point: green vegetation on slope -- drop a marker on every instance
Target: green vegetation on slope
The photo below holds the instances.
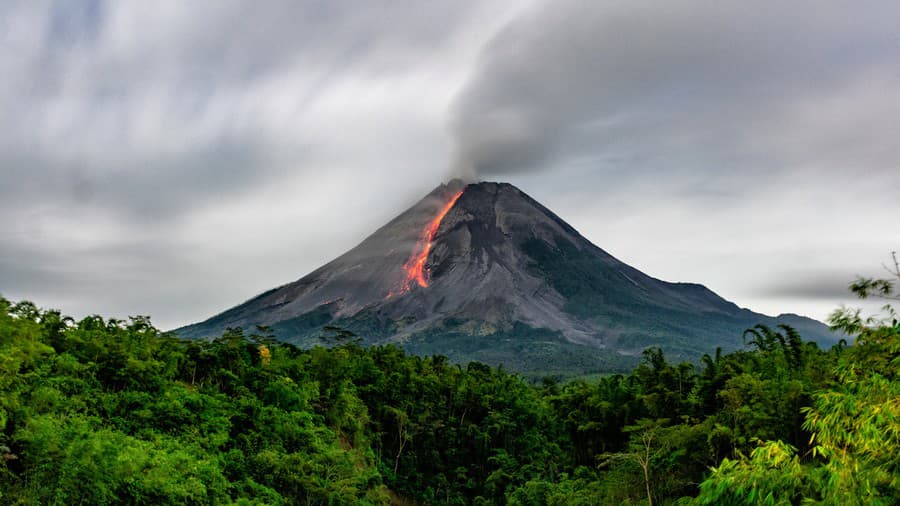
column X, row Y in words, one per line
column 534, row 353
column 109, row 412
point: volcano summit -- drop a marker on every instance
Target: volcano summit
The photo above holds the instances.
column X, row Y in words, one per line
column 484, row 272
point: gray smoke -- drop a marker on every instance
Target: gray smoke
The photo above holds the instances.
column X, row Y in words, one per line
column 694, row 83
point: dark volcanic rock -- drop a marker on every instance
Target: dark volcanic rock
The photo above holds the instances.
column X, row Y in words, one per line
column 510, row 282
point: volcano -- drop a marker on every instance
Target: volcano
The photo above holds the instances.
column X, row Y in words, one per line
column 484, row 272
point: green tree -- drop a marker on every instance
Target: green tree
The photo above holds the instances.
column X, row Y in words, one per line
column 854, row 426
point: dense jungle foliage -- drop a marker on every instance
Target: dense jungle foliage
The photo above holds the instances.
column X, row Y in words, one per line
column 104, row 411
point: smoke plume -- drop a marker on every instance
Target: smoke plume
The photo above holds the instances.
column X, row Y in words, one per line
column 694, row 84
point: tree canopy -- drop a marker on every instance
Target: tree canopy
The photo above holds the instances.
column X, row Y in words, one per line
column 107, row 411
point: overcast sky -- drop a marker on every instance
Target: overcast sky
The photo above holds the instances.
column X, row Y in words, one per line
column 177, row 158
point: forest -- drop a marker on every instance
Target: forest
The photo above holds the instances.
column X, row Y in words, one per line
column 107, row 411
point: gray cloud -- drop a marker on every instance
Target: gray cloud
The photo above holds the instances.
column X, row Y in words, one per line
column 827, row 285
column 152, row 110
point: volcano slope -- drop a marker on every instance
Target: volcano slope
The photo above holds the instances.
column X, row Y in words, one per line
column 484, row 272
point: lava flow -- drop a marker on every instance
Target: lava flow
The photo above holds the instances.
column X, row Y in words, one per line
column 414, row 268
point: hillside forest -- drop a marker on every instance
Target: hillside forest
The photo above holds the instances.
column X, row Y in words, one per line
column 106, row 411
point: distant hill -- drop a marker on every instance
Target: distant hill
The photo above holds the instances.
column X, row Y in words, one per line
column 484, row 272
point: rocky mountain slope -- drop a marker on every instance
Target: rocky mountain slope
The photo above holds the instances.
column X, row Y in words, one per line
column 484, row 272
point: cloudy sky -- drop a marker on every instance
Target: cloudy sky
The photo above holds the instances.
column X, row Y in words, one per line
column 177, row 158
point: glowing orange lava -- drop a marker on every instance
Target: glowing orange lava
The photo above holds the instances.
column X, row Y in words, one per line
column 415, row 267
